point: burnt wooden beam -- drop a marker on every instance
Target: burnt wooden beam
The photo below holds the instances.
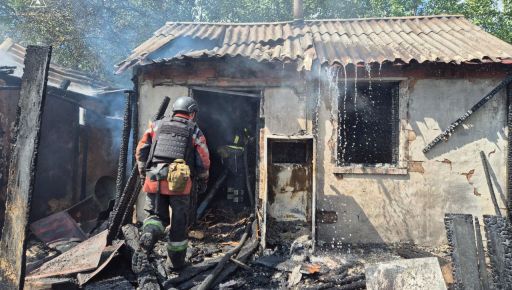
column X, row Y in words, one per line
column 461, row 238
column 125, row 201
column 489, row 183
column 509, row 152
column 123, row 150
column 22, row 168
column 448, row 132
column 135, row 123
column 482, row 266
column 499, row 240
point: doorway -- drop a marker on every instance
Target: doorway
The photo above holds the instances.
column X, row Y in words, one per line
column 229, row 121
column 290, row 183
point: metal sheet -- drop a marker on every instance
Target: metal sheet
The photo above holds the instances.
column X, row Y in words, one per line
column 58, row 226
column 81, row 82
column 86, row 277
column 84, row 257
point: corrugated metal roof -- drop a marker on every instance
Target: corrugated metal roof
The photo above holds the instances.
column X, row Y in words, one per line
column 448, row 39
column 13, row 54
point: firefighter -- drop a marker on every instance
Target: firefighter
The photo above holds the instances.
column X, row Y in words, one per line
column 171, row 154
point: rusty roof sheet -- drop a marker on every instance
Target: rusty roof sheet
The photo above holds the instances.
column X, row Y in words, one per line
column 13, row 54
column 446, row 38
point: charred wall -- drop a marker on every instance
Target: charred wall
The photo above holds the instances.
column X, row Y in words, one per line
column 59, row 170
column 8, row 106
column 56, row 186
column 102, row 134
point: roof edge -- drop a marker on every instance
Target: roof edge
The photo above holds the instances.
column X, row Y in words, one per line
column 322, row 20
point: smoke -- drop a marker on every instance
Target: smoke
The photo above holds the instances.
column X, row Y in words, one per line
column 183, row 46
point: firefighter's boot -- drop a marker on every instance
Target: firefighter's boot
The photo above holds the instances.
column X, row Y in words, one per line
column 152, row 230
column 176, row 254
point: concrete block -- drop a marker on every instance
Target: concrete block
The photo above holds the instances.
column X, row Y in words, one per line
column 423, row 273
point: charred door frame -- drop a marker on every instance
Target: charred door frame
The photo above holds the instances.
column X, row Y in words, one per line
column 263, row 180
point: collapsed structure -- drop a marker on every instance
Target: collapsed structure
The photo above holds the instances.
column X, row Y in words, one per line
column 79, row 141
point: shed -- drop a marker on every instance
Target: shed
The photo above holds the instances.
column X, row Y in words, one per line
column 339, row 112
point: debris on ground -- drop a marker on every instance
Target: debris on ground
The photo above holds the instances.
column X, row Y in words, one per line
column 224, row 253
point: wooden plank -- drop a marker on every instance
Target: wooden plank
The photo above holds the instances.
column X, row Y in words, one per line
column 499, row 238
column 461, row 238
column 22, row 166
column 482, row 266
column 509, row 152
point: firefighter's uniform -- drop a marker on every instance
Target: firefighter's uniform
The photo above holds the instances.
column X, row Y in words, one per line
column 170, row 143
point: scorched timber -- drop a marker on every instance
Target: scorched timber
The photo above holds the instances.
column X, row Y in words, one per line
column 22, row 168
column 461, row 238
column 499, row 240
column 124, row 203
column 123, row 151
column 447, row 133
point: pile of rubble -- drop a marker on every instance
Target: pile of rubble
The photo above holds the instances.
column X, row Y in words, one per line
column 224, row 253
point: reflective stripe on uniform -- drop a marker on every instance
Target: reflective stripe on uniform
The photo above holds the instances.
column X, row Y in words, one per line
column 153, row 222
column 177, row 246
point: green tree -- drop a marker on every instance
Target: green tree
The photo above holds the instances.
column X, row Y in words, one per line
column 93, row 35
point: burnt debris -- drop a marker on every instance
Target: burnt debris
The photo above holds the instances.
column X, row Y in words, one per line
column 22, row 167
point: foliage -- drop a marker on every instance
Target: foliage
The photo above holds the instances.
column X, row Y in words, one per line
column 93, row 35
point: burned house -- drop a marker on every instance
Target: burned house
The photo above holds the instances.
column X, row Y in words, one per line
column 79, row 144
column 339, row 114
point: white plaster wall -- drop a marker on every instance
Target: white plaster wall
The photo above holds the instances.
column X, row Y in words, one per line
column 285, row 111
column 150, row 98
column 399, row 208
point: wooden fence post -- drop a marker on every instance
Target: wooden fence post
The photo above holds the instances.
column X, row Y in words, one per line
column 22, row 167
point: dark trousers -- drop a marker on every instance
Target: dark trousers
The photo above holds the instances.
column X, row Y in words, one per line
column 178, row 219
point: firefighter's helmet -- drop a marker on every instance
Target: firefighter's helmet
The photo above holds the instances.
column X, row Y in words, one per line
column 185, row 105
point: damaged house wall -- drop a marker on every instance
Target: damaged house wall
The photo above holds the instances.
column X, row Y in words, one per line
column 386, row 204
column 409, row 204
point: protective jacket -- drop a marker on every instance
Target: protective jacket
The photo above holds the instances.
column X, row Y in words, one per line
column 175, row 137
